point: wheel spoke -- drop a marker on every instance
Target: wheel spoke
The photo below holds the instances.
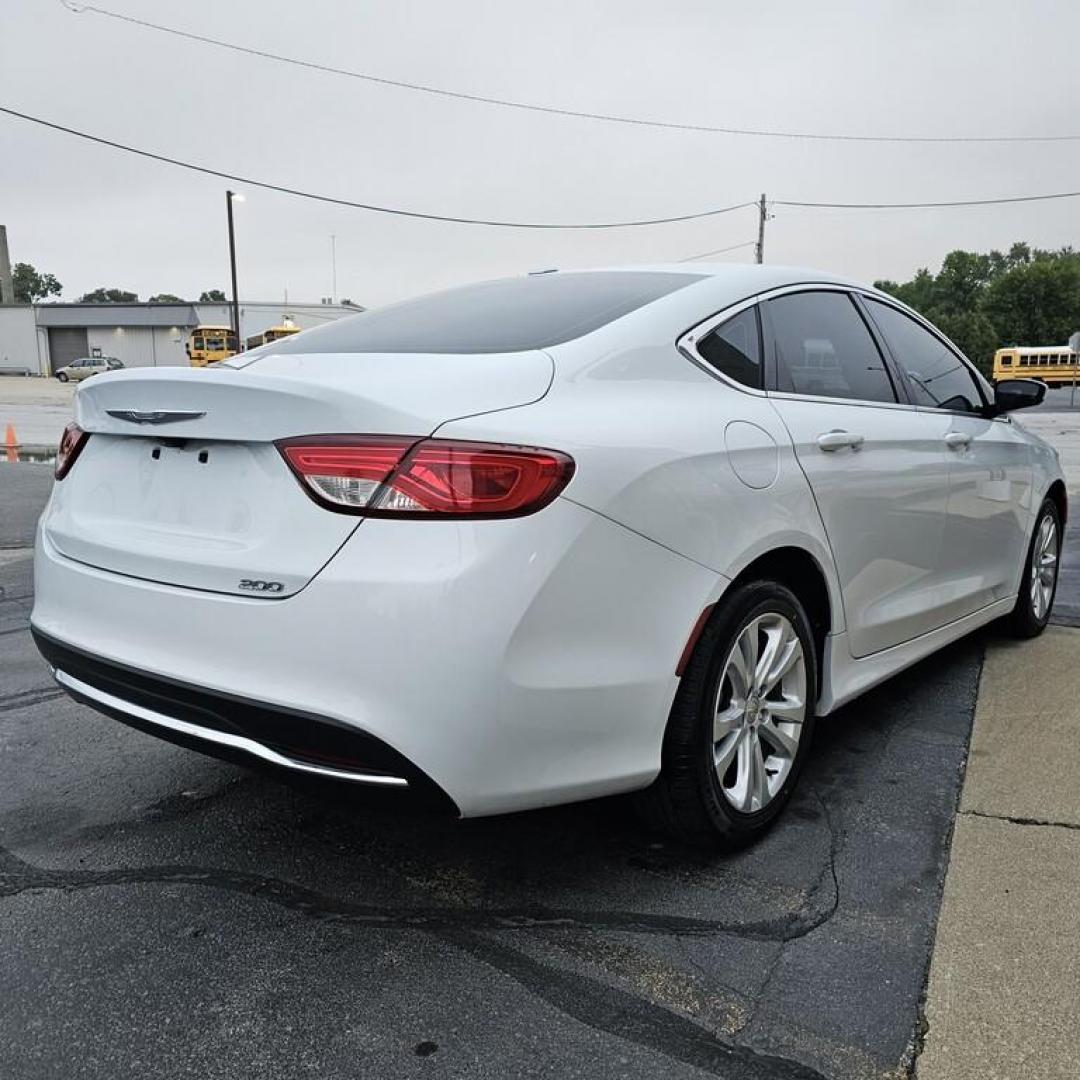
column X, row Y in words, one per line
column 788, row 655
column 787, row 745
column 727, row 720
column 744, row 781
column 724, row 751
column 742, row 663
column 774, row 636
column 760, row 785
column 787, row 710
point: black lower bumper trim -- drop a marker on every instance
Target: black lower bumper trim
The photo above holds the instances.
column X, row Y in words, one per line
column 302, row 737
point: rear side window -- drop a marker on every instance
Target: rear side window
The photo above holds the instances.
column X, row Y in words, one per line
column 936, row 375
column 734, row 349
column 513, row 315
column 823, row 348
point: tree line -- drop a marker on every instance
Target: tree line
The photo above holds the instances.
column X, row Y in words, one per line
column 985, row 302
column 31, row 287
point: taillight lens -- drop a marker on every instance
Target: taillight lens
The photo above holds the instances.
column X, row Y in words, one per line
column 341, row 472
column 390, row 476
column 71, row 444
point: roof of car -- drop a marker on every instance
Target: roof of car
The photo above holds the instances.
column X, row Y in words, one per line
column 752, row 275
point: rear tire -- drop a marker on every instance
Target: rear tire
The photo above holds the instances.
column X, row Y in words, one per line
column 734, row 748
column 1039, row 578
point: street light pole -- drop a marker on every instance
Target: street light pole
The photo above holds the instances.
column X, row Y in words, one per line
column 229, row 196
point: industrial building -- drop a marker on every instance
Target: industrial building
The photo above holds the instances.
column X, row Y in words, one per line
column 39, row 339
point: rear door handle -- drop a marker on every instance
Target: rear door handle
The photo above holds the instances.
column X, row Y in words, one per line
column 837, row 440
column 957, row 440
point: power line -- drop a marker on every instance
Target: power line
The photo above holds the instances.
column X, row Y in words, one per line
column 927, row 205
column 552, row 110
column 396, row 211
column 719, row 251
column 494, row 223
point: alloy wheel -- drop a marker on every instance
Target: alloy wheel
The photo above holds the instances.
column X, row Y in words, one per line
column 759, row 712
column 1044, row 564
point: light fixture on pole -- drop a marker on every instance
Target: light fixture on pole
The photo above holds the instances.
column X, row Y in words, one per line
column 230, row 197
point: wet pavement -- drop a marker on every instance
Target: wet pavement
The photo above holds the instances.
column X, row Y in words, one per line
column 162, row 913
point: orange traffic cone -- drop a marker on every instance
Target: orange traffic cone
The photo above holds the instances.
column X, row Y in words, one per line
column 11, row 444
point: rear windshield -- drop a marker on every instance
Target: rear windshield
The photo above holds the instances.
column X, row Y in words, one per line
column 497, row 316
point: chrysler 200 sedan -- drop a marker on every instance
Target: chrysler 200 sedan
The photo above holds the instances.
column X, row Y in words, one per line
column 548, row 538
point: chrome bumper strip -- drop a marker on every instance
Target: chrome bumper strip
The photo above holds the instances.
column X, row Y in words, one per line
column 235, row 742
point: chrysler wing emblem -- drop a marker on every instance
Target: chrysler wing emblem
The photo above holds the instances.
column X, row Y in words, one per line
column 155, row 416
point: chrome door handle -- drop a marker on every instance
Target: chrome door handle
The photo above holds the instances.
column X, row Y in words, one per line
column 957, row 440
column 837, row 440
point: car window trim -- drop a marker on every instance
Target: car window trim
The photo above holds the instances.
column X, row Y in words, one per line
column 728, row 317
column 976, row 375
column 903, row 398
column 686, row 343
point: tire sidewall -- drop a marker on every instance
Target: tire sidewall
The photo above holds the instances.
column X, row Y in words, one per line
column 753, row 600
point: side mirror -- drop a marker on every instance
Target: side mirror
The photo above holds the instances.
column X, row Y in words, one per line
column 1011, row 394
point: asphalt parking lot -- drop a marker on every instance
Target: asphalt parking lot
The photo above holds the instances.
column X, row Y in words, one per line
column 164, row 914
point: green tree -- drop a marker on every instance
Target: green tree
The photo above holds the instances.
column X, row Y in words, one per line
column 109, row 296
column 212, row 296
column 1025, row 296
column 1037, row 303
column 30, row 286
column 167, row 298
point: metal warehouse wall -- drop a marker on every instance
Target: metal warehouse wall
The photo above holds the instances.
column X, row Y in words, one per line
column 19, row 346
column 140, row 346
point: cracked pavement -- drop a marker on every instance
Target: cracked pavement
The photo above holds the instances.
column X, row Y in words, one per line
column 165, row 914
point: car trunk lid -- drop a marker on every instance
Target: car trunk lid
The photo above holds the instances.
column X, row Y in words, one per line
column 180, row 482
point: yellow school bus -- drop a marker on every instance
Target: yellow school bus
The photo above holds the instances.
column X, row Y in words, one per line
column 1055, row 365
column 274, row 333
column 209, row 344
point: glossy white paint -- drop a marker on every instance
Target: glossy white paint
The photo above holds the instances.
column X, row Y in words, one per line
column 290, row 395
column 884, row 503
column 518, row 663
column 528, row 661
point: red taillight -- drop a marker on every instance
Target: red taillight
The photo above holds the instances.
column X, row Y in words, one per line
column 71, row 444
column 390, row 476
column 344, row 472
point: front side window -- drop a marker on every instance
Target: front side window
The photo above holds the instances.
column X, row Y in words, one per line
column 734, row 349
column 937, row 376
column 823, row 348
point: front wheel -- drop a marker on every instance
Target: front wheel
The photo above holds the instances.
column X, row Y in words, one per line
column 1038, row 582
column 61, row 376
column 742, row 721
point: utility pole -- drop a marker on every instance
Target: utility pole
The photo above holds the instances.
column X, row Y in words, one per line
column 229, row 196
column 1074, row 344
column 333, row 268
column 759, row 248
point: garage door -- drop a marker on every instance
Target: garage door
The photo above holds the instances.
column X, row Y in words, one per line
column 66, row 343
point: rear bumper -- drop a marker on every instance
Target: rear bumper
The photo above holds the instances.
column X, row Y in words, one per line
column 514, row 663
column 233, row 728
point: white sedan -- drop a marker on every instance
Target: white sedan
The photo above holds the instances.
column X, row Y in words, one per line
column 548, row 538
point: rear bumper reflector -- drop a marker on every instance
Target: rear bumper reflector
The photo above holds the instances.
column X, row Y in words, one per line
column 219, row 738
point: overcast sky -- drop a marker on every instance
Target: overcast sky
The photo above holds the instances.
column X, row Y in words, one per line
column 97, row 217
